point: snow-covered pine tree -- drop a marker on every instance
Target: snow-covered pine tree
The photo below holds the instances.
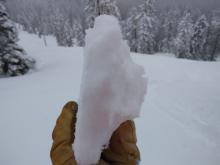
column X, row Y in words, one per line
column 184, row 36
column 67, row 34
column 168, row 31
column 13, row 59
column 199, row 38
column 166, row 43
column 146, row 28
column 62, row 29
column 109, row 7
column 145, row 40
column 78, row 34
column 149, row 7
column 90, row 13
column 56, row 21
column 213, row 46
column 95, row 8
column 130, row 29
column 124, row 28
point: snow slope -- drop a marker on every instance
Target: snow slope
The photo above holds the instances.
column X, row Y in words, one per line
column 179, row 124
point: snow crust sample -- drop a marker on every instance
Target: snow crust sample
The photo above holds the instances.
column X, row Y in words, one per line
column 112, row 89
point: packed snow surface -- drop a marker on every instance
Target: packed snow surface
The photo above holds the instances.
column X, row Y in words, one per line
column 179, row 123
column 112, row 89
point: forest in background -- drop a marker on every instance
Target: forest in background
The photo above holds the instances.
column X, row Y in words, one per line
column 183, row 30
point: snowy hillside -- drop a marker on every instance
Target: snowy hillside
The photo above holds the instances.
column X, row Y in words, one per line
column 179, row 124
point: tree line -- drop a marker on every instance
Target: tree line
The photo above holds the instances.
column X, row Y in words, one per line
column 184, row 32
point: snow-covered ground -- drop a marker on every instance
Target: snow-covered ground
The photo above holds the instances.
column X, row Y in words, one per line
column 179, row 123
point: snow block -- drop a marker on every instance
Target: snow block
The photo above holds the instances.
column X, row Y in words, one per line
column 112, row 89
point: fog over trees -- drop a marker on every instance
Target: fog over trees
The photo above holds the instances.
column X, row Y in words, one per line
column 186, row 28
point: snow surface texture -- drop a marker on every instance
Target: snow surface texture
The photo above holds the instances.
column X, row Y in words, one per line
column 112, row 89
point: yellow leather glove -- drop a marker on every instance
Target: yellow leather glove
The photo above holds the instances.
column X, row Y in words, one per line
column 63, row 136
column 122, row 149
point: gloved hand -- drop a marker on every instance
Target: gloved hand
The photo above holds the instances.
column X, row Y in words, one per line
column 122, row 149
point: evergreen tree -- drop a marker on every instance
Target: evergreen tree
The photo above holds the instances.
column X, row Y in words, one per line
column 95, row 8
column 199, row 38
column 168, row 31
column 67, row 34
column 13, row 59
column 148, row 7
column 109, row 7
column 184, row 36
column 166, row 43
column 62, row 29
column 90, row 12
column 78, row 34
column 130, row 29
column 124, row 28
column 213, row 46
column 146, row 42
column 146, row 28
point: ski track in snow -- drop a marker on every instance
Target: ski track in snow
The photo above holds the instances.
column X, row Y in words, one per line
column 180, row 118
